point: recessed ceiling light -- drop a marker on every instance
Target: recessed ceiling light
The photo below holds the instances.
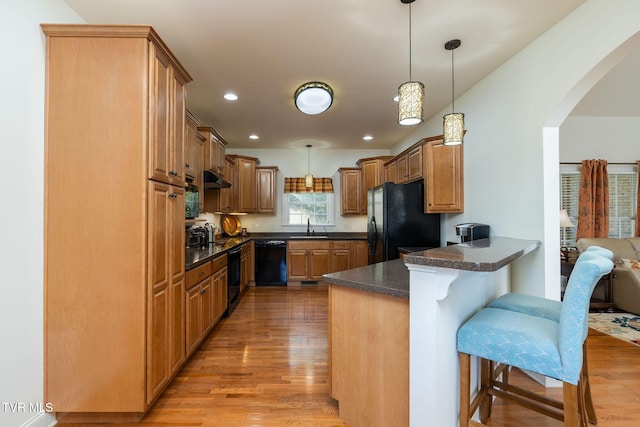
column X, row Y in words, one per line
column 367, row 137
column 254, row 136
column 230, row 96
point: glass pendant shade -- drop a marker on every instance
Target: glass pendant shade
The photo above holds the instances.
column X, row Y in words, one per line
column 410, row 103
column 308, row 180
column 453, row 129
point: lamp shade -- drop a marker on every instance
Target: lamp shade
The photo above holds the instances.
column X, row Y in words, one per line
column 410, row 103
column 453, row 129
column 564, row 219
column 313, row 97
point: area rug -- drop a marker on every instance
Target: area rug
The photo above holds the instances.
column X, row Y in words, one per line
column 625, row 326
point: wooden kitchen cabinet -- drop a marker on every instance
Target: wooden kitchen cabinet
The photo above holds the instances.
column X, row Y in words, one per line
column 308, row 260
column 341, row 255
column 243, row 187
column 167, row 284
column 409, row 165
column 121, row 292
column 359, row 253
column 190, row 143
column 198, row 307
column 167, row 90
column 266, row 189
column 351, row 192
column 373, row 175
column 206, row 300
column 214, row 150
column 444, row 177
column 219, row 283
column 245, row 266
column 391, row 171
column 220, row 200
column 194, row 153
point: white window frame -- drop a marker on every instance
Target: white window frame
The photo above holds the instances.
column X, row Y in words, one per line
column 329, row 207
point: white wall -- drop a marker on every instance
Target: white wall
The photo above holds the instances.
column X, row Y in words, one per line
column 507, row 183
column 293, row 162
column 21, row 214
column 615, row 139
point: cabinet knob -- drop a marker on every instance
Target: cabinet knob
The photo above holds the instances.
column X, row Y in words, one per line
column 173, row 173
column 173, row 195
column 202, row 292
column 187, row 165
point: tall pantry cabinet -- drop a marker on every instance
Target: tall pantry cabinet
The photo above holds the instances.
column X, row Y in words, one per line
column 114, row 278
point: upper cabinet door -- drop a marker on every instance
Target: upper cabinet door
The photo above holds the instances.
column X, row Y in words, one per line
column 444, row 178
column 166, row 121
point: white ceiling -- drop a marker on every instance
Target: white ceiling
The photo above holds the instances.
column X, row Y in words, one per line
column 264, row 49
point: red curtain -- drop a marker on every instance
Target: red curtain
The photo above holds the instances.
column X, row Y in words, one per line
column 638, row 202
column 296, row 185
column 593, row 200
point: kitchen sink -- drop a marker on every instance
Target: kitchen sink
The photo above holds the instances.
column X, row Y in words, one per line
column 309, row 237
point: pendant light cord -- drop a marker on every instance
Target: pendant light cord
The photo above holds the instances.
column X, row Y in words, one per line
column 410, row 42
column 453, row 99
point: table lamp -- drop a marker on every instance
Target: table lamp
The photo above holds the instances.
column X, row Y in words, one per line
column 564, row 223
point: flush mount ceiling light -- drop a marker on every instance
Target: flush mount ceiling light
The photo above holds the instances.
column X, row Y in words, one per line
column 410, row 94
column 453, row 123
column 313, row 97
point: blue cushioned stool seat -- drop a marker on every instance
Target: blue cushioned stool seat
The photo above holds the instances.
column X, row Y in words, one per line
column 550, row 343
column 515, row 339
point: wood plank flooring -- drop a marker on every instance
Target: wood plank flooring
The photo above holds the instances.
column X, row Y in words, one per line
column 266, row 366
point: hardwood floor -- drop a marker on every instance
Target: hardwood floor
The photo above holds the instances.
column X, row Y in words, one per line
column 266, row 366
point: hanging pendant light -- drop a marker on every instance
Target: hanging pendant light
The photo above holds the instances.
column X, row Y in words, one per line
column 410, row 94
column 453, row 123
column 308, row 178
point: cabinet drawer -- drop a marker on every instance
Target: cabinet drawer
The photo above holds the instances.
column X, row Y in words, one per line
column 218, row 263
column 346, row 244
column 309, row 244
column 198, row 274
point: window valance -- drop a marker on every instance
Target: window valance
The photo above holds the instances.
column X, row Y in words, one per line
column 296, row 185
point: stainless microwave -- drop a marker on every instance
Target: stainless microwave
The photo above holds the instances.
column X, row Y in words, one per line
column 191, row 204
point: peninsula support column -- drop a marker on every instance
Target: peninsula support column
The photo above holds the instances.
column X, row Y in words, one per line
column 441, row 300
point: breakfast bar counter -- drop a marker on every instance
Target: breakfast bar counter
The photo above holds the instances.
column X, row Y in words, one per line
column 398, row 319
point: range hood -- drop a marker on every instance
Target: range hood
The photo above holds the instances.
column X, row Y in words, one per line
column 212, row 180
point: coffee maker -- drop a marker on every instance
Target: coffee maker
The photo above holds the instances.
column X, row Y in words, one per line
column 472, row 231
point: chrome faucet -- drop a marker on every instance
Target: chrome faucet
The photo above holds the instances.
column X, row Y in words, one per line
column 308, row 227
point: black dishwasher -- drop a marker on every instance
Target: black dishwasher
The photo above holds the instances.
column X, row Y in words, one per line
column 271, row 262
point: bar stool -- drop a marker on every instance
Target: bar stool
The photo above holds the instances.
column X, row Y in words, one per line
column 550, row 309
column 504, row 338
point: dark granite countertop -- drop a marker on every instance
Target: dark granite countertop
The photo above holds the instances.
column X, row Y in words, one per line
column 389, row 278
column 479, row 255
column 392, row 277
column 320, row 235
column 198, row 256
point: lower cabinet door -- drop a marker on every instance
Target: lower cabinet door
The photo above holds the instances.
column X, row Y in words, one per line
column 193, row 316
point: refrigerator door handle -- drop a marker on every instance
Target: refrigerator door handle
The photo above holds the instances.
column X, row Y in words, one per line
column 373, row 236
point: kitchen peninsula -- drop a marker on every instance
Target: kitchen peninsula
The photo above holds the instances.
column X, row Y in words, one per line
column 397, row 320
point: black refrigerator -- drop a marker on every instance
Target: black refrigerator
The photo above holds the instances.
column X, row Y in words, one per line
column 396, row 218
